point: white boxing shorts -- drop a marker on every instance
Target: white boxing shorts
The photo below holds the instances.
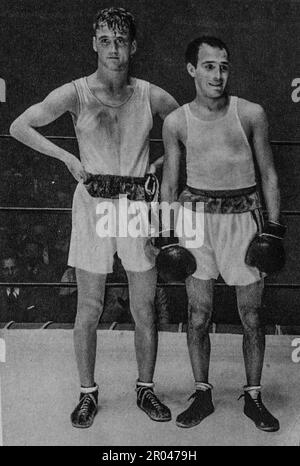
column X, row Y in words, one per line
column 96, row 230
column 224, row 241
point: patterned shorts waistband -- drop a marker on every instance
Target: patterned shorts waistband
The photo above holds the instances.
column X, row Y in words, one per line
column 223, row 193
column 226, row 202
column 112, row 186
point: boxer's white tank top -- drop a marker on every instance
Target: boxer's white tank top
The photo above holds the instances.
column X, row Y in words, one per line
column 218, row 154
column 114, row 139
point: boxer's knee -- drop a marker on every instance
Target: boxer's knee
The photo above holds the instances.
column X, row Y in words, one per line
column 142, row 290
column 143, row 313
column 200, row 296
column 200, row 316
column 91, row 291
column 89, row 310
column 250, row 318
column 249, row 305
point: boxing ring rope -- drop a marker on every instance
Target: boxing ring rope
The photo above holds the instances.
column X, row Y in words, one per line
column 69, row 210
column 125, row 284
column 275, row 142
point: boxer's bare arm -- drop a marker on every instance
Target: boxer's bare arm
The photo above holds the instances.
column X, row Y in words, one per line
column 58, row 102
column 264, row 157
column 171, row 139
column 162, row 104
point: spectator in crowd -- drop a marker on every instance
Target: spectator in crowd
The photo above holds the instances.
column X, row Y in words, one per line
column 41, row 233
column 33, row 255
column 13, row 299
column 23, row 304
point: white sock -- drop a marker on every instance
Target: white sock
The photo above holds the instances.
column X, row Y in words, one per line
column 144, row 384
column 89, row 389
column 253, row 390
column 203, row 386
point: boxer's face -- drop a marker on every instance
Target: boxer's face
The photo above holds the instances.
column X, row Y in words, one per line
column 212, row 71
column 114, row 48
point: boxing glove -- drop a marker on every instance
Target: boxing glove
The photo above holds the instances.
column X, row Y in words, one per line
column 174, row 263
column 266, row 251
column 165, row 238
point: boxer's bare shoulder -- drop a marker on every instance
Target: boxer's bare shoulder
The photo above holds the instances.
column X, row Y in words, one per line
column 61, row 100
column 175, row 124
column 162, row 103
column 250, row 111
column 252, row 116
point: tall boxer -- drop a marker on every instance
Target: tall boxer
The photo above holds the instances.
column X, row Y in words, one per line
column 112, row 114
column 216, row 129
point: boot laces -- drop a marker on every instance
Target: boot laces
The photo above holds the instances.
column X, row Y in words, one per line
column 87, row 400
column 197, row 396
column 258, row 402
column 153, row 399
column 145, row 393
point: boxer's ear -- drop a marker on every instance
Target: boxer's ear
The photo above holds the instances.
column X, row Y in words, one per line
column 191, row 69
column 94, row 44
column 133, row 48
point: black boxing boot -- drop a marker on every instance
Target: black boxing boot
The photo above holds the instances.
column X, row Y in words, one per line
column 201, row 407
column 258, row 413
column 84, row 413
column 148, row 402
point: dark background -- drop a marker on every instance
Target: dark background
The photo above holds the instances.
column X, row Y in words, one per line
column 45, row 44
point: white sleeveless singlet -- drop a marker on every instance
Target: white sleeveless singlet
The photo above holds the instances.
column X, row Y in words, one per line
column 114, row 139
column 218, row 154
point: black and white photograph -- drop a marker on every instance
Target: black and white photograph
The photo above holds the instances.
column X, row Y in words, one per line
column 149, row 225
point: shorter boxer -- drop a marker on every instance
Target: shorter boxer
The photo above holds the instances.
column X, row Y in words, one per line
column 216, row 129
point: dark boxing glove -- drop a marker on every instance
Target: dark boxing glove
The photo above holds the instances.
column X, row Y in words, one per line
column 266, row 250
column 174, row 263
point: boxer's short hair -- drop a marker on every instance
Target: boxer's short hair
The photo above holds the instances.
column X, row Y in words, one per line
column 191, row 54
column 117, row 19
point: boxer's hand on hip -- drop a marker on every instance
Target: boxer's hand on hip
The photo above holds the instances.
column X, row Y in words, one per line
column 76, row 169
column 152, row 169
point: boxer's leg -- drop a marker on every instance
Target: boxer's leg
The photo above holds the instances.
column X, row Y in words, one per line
column 249, row 299
column 200, row 296
column 142, row 289
column 91, row 290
